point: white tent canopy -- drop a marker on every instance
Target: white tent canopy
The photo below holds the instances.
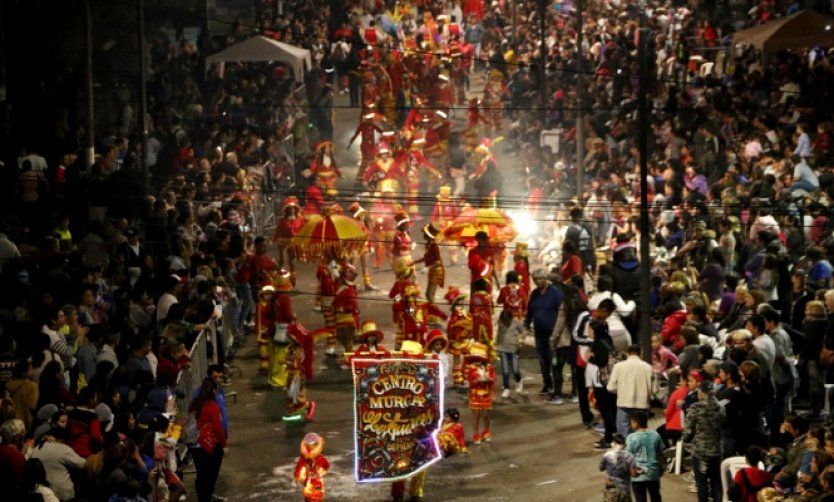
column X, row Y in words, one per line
column 261, row 48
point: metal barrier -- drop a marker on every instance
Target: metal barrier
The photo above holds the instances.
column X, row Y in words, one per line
column 190, row 379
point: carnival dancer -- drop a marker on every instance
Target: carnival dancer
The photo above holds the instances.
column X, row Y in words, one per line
column 437, row 136
column 513, row 297
column 435, row 347
column 314, row 198
column 416, row 316
column 409, row 162
column 446, row 209
column 382, row 169
column 481, row 261
column 481, row 309
column 485, row 157
column 288, row 225
column 311, row 468
column 459, row 330
column 494, row 91
column 481, row 378
column 404, row 278
column 361, row 216
column 367, row 148
column 411, row 350
column 402, row 245
column 384, row 226
column 299, row 371
column 346, row 308
column 275, row 315
column 451, row 437
column 474, row 118
column 328, row 277
column 370, row 339
column 521, row 265
column 324, row 164
column 433, row 262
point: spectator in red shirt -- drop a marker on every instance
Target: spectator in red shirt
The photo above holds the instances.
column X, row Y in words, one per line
column 212, row 440
column 571, row 263
column 12, row 460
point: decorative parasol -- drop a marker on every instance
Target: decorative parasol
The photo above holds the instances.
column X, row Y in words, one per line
column 496, row 223
column 332, row 235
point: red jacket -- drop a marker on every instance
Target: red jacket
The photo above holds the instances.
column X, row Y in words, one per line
column 673, row 413
column 346, row 306
column 756, row 479
column 85, row 436
column 210, row 414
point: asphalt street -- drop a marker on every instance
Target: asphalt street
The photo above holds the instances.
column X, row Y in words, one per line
column 540, row 452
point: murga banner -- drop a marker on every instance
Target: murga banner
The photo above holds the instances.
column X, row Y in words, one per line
column 398, row 408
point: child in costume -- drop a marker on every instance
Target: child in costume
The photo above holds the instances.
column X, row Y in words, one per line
column 433, row 261
column 370, row 339
column 415, row 317
column 436, row 345
column 451, row 437
column 299, row 370
column 311, row 468
column 459, row 329
column 328, row 275
column 480, row 307
column 481, row 378
column 510, row 332
column 275, row 316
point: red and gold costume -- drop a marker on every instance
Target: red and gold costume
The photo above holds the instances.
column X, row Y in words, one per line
column 370, row 340
column 437, row 140
column 324, row 165
column 383, row 224
column 311, row 468
column 415, row 317
column 382, row 169
column 346, row 308
column 367, row 148
column 480, row 307
column 299, row 363
column 314, row 198
column 494, row 90
column 404, row 273
column 522, row 266
column 480, row 265
column 409, row 162
column 328, row 284
column 459, row 331
column 451, row 438
column 474, row 118
column 288, row 226
column 433, row 262
column 444, row 213
column 481, row 380
column 401, row 247
column 513, row 297
column 361, row 216
column 274, row 311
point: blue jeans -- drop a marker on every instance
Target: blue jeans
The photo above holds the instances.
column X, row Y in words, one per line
column 708, row 478
column 623, row 420
column 803, row 185
column 247, row 303
column 509, row 363
column 543, row 351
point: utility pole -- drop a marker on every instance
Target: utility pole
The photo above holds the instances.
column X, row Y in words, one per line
column 143, row 95
column 643, row 143
column 90, row 147
column 580, row 111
